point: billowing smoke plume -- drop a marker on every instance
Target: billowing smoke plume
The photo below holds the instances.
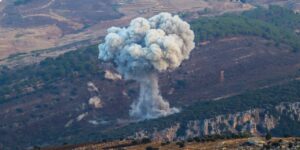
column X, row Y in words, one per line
column 145, row 48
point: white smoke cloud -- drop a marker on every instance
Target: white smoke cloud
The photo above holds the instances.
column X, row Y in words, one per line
column 145, row 48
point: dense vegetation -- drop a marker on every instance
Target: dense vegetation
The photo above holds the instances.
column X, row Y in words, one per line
column 231, row 25
column 278, row 16
column 21, row 2
column 81, row 63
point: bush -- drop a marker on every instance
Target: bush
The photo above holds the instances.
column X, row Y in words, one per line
column 197, row 139
column 190, row 140
column 134, row 142
column 267, row 146
column 165, row 143
column 181, row 144
column 151, row 148
column 146, row 140
column 275, row 144
column 268, row 136
column 180, row 84
column 19, row 110
column 291, row 145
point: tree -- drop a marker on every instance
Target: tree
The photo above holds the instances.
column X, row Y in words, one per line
column 268, row 136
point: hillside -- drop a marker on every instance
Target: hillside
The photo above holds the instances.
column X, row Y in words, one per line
column 28, row 25
column 53, row 27
column 49, row 103
column 215, row 124
column 274, row 110
column 52, row 24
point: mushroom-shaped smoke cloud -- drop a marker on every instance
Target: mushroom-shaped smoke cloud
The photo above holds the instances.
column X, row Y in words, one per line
column 145, row 48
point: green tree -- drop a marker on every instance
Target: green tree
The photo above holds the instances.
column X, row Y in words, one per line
column 268, row 136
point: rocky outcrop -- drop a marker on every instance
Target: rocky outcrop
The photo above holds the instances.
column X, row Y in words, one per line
column 290, row 109
column 168, row 134
column 255, row 121
column 240, row 122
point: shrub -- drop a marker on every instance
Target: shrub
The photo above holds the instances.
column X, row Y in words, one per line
column 190, row 140
column 146, row 140
column 165, row 143
column 197, row 139
column 181, row 144
column 19, row 110
column 134, row 142
column 275, row 144
column 268, row 136
column 151, row 148
column 290, row 145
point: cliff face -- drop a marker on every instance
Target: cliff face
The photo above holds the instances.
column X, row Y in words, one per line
column 240, row 122
column 290, row 109
column 254, row 121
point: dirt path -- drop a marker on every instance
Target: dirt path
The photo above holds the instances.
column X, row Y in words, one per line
column 57, row 17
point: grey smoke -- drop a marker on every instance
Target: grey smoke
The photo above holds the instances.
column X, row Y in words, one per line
column 142, row 50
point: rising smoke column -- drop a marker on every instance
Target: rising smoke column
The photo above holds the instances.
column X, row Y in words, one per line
column 142, row 50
